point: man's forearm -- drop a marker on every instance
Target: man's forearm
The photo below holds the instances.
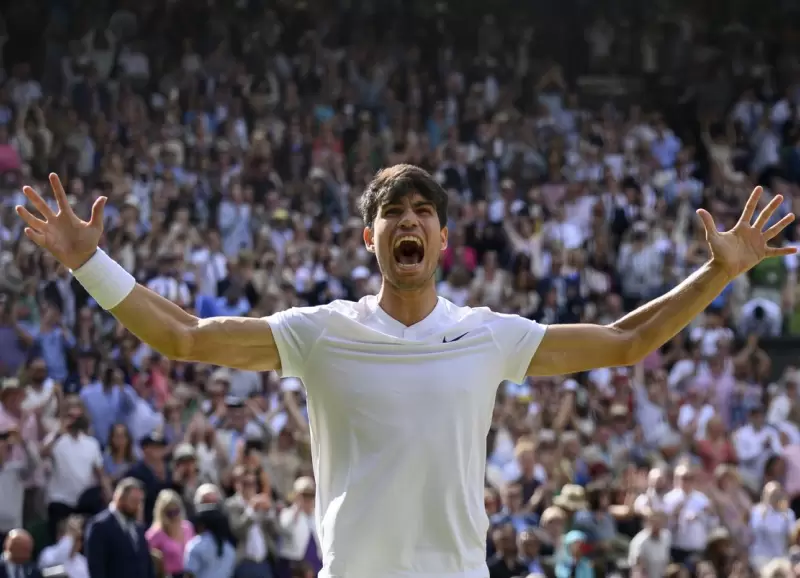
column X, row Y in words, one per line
column 658, row 321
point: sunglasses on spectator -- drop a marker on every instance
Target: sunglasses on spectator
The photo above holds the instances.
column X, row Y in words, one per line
column 172, row 512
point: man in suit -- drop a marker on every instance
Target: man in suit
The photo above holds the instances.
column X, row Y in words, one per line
column 254, row 525
column 115, row 542
column 16, row 561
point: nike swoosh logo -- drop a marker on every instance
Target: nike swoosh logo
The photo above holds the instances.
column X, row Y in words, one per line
column 444, row 339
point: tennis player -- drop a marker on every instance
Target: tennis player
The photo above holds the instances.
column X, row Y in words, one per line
column 400, row 385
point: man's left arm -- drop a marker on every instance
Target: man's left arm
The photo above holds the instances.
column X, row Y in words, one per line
column 568, row 349
column 580, row 347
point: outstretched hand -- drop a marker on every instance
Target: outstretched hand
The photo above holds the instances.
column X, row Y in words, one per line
column 68, row 238
column 747, row 244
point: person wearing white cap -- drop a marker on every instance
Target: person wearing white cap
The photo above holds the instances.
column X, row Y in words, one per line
column 401, row 385
column 301, row 541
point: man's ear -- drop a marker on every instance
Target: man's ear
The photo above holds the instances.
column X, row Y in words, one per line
column 444, row 234
column 369, row 239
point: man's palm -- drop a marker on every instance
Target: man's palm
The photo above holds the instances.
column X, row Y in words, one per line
column 68, row 238
column 747, row 244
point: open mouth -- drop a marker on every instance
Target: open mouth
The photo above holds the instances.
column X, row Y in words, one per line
column 408, row 251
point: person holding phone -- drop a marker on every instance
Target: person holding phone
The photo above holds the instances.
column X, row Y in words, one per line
column 77, row 482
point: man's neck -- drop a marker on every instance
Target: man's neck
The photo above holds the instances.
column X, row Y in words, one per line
column 408, row 307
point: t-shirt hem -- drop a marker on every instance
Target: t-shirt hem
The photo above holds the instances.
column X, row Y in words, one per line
column 478, row 572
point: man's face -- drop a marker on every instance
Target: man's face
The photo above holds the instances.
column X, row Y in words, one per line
column 155, row 452
column 528, row 545
column 131, row 502
column 407, row 239
column 38, row 371
column 505, row 539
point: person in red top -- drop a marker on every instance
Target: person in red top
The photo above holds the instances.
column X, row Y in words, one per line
column 716, row 449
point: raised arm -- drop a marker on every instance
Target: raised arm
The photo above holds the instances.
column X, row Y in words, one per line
column 242, row 343
column 573, row 348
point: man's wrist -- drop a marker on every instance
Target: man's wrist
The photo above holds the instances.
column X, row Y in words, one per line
column 80, row 261
column 105, row 280
column 720, row 268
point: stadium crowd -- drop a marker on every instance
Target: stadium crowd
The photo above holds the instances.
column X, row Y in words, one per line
column 233, row 140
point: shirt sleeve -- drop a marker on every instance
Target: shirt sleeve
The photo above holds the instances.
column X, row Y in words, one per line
column 295, row 331
column 518, row 339
column 192, row 557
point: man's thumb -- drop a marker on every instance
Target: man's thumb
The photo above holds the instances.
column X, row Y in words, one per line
column 708, row 222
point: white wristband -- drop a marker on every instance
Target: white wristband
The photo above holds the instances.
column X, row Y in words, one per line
column 105, row 280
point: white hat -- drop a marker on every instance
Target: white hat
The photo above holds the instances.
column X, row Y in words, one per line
column 291, row 384
column 303, row 485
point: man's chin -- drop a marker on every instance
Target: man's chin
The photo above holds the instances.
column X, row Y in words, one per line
column 408, row 278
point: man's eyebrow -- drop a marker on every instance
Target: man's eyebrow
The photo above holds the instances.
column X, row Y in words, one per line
column 416, row 204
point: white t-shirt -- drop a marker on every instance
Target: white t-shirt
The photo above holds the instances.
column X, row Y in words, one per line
column 74, row 461
column 693, row 518
column 399, row 417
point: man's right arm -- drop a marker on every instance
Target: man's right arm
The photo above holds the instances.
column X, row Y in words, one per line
column 241, row 343
column 237, row 342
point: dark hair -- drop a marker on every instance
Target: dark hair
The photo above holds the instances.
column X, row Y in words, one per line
column 127, row 453
column 393, row 183
column 594, row 496
column 210, row 519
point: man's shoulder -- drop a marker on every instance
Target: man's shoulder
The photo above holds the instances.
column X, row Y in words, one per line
column 100, row 519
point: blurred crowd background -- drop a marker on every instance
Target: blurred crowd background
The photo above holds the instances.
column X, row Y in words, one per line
column 576, row 140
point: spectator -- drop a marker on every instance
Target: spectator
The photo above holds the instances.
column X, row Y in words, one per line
column 13, row 475
column 152, row 472
column 77, row 481
column 209, row 554
column 300, row 541
column 528, row 545
column 12, row 417
column 17, row 551
column 771, row 523
column 115, row 541
column 185, row 475
column 649, row 551
column 207, row 494
column 690, row 515
column 755, row 443
column 66, row 551
column 652, row 499
column 254, row 524
column 571, row 561
column 120, row 454
column 170, row 532
column 715, row 449
column 506, row 562
column 107, row 403
column 732, row 504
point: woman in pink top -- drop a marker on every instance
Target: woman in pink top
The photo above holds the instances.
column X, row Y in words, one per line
column 170, row 531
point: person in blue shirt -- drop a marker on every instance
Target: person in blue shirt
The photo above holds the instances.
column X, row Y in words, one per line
column 54, row 342
column 571, row 561
column 209, row 554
